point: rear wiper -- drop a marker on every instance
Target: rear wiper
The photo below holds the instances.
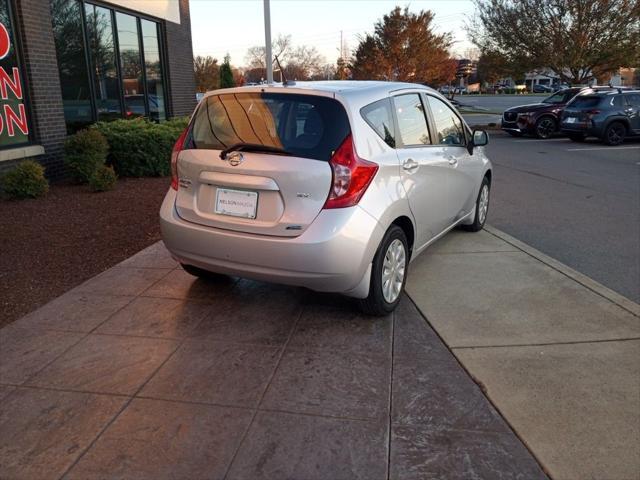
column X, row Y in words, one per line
column 251, row 147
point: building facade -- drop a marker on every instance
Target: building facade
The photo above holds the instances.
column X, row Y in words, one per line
column 65, row 64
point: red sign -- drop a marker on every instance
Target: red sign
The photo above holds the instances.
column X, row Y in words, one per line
column 13, row 115
column 5, row 43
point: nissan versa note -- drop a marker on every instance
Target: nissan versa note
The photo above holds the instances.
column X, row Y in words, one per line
column 334, row 186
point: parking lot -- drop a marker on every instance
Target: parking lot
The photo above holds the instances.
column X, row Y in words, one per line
column 577, row 202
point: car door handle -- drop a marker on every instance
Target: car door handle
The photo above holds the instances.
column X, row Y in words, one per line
column 410, row 165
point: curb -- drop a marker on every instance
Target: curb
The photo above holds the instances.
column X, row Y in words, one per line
column 620, row 300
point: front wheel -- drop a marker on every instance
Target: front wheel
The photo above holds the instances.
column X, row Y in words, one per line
column 388, row 273
column 614, row 134
column 482, row 207
column 546, row 127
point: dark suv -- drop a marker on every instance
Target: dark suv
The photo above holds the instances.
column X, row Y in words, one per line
column 542, row 119
column 611, row 116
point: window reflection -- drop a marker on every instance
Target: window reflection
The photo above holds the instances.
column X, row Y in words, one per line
column 103, row 60
column 130, row 65
column 155, row 87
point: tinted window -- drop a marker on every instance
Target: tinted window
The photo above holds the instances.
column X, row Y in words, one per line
column 130, row 64
column 585, row 102
column 559, row 97
column 378, row 115
column 155, row 86
column 412, row 123
column 617, row 101
column 103, row 58
column 448, row 125
column 633, row 99
column 304, row 125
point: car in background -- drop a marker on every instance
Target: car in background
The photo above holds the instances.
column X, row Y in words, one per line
column 541, row 119
column 334, row 186
column 611, row 116
column 539, row 88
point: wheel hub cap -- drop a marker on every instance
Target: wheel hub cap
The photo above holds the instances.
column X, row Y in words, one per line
column 483, row 204
column 393, row 270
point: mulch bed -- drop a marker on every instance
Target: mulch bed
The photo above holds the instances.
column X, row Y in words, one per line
column 51, row 244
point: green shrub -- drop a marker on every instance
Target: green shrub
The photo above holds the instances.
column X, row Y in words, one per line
column 84, row 153
column 140, row 148
column 26, row 180
column 103, row 179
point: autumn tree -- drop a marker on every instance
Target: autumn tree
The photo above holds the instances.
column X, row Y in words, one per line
column 207, row 73
column 576, row 39
column 226, row 74
column 403, row 47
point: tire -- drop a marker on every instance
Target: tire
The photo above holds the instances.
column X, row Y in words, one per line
column 577, row 137
column 478, row 222
column 614, row 134
column 393, row 243
column 202, row 273
column 514, row 134
column 545, row 127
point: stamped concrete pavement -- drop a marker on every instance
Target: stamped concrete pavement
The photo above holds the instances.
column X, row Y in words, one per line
column 557, row 354
column 144, row 372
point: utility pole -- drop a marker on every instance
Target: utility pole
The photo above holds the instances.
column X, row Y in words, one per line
column 267, row 41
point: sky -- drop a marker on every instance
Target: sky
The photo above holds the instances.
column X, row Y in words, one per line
column 224, row 26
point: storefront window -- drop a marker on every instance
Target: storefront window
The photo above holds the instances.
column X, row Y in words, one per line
column 130, row 65
column 72, row 62
column 155, row 87
column 103, row 62
column 14, row 127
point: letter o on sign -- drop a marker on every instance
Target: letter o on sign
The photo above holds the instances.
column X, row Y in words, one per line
column 5, row 44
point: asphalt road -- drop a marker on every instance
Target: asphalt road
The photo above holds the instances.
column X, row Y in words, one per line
column 578, row 203
column 498, row 103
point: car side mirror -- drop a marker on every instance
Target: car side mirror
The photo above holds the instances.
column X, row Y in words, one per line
column 479, row 138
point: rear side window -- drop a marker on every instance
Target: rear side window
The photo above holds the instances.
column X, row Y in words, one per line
column 380, row 117
column 585, row 101
column 411, row 120
column 617, row 101
column 633, row 99
column 306, row 126
column 448, row 126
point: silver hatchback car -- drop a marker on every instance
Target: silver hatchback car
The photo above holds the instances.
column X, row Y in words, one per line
column 334, row 186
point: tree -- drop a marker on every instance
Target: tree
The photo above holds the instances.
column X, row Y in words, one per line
column 492, row 66
column 576, row 39
column 280, row 47
column 403, row 47
column 301, row 63
column 226, row 74
column 207, row 73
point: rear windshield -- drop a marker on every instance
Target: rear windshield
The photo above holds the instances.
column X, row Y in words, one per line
column 306, row 126
column 585, row 102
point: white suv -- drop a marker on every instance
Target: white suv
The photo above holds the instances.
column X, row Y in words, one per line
column 334, row 186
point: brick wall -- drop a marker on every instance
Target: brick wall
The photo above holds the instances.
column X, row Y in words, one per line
column 182, row 84
column 43, row 81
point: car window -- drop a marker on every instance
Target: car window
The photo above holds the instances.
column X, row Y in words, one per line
column 448, row 125
column 412, row 123
column 556, row 98
column 307, row 126
column 617, row 101
column 379, row 117
column 633, row 99
column 585, row 101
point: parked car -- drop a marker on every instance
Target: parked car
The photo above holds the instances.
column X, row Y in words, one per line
column 334, row 186
column 539, row 88
column 541, row 119
column 610, row 116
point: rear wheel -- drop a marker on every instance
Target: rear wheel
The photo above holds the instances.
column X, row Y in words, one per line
column 482, row 207
column 577, row 137
column 202, row 273
column 614, row 134
column 545, row 127
column 388, row 273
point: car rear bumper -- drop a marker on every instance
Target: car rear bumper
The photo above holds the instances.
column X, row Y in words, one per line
column 332, row 255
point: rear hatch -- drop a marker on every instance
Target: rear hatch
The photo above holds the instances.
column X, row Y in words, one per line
column 273, row 176
column 578, row 110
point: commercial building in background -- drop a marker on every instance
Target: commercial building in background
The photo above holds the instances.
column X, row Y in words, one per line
column 65, row 64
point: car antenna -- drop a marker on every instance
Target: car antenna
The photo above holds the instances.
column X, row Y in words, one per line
column 285, row 82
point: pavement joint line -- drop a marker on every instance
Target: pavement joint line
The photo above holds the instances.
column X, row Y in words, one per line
column 264, row 392
column 481, row 386
column 50, row 388
column 601, row 148
column 545, row 344
column 390, row 414
column 587, row 282
column 475, row 252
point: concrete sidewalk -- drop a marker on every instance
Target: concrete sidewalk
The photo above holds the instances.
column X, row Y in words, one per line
column 144, row 372
column 556, row 353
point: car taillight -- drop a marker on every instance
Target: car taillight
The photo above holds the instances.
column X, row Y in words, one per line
column 177, row 148
column 351, row 176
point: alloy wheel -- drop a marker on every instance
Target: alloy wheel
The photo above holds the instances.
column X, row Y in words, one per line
column 615, row 134
column 545, row 128
column 393, row 270
column 483, row 204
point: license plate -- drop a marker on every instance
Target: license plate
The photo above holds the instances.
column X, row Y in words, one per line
column 236, row 203
column 571, row 119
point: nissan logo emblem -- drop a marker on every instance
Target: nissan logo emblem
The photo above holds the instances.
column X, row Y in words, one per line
column 235, row 158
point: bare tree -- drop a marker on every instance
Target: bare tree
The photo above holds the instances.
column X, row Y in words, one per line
column 280, row 47
column 207, row 73
column 576, row 39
